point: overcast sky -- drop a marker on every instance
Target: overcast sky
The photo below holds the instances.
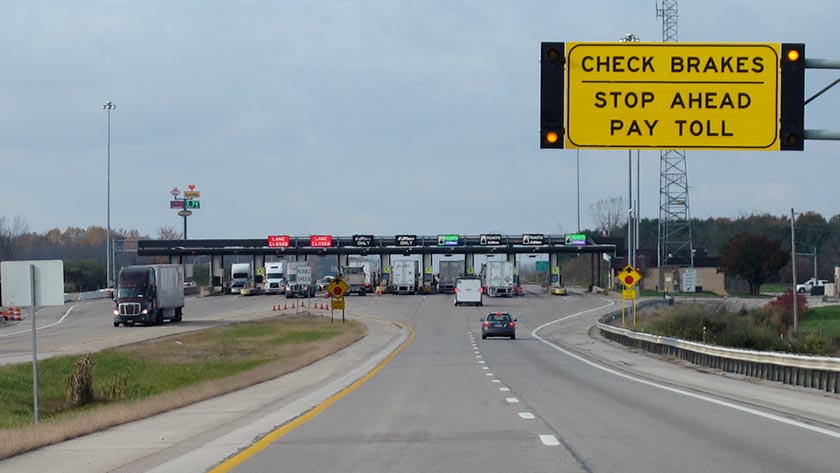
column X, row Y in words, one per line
column 344, row 117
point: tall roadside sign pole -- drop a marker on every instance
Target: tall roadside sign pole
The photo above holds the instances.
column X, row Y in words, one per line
column 186, row 204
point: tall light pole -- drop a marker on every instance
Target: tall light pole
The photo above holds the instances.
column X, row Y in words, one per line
column 631, row 220
column 108, row 106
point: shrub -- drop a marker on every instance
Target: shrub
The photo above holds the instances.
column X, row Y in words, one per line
column 785, row 304
column 115, row 388
column 79, row 385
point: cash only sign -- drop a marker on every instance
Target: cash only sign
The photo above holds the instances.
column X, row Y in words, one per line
column 672, row 95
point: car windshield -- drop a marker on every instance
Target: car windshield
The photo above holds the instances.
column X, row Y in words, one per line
column 275, row 276
column 498, row 317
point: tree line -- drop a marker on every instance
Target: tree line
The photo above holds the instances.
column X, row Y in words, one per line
column 83, row 250
column 722, row 236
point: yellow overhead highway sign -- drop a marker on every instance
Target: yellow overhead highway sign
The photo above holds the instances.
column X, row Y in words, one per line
column 673, row 95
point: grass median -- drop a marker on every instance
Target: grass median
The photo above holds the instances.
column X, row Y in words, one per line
column 138, row 380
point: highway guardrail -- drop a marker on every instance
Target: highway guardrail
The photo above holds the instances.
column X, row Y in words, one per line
column 816, row 372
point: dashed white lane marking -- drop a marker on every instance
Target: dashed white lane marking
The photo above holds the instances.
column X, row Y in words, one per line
column 496, row 381
column 512, row 400
column 527, row 415
column 485, row 367
column 478, row 356
column 504, row 389
column 549, row 440
column 488, row 374
column 481, row 362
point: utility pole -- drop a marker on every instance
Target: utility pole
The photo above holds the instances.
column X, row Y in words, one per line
column 793, row 267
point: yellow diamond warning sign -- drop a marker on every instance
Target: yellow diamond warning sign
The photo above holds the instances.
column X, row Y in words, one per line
column 629, row 277
column 673, row 95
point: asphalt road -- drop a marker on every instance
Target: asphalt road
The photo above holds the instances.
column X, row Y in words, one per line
column 555, row 399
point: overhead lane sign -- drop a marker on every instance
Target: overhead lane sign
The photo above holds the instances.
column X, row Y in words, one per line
column 672, row 95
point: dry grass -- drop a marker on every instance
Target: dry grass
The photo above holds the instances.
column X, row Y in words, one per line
column 289, row 358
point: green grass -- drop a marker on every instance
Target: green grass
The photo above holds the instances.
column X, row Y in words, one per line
column 162, row 365
column 774, row 288
column 825, row 320
column 652, row 293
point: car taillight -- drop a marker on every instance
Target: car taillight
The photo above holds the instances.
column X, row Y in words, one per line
column 456, row 290
column 486, row 324
column 481, row 290
column 512, row 324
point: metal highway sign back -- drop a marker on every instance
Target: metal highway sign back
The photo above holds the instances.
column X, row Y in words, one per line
column 673, row 95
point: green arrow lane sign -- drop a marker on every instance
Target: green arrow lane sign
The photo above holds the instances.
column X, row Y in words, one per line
column 192, row 204
column 448, row 240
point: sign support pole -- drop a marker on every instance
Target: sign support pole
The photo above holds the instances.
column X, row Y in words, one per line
column 34, row 343
column 634, row 313
column 622, row 313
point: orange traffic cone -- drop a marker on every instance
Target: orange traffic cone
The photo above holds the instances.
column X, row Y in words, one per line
column 16, row 313
column 285, row 306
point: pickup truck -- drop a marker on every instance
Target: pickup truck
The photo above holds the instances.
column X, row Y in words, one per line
column 809, row 285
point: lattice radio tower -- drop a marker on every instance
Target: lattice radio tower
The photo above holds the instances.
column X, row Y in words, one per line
column 674, row 246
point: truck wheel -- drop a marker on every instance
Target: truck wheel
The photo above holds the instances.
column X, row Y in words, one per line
column 178, row 314
column 158, row 317
column 116, row 324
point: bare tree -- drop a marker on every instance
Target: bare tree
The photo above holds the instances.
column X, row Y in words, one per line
column 609, row 214
column 10, row 233
column 168, row 232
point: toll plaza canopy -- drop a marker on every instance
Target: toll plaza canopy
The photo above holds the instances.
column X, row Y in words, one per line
column 379, row 245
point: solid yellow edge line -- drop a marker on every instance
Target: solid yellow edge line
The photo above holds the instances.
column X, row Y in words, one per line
column 275, row 435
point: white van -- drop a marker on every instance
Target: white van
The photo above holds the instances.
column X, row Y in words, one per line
column 468, row 291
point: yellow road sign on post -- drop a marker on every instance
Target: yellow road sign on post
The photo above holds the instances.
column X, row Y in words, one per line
column 337, row 288
column 673, row 95
column 337, row 304
column 629, row 277
column 628, row 294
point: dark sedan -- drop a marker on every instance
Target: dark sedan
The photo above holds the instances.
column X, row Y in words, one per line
column 498, row 324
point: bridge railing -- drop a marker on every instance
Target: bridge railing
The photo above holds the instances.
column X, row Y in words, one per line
column 816, row 372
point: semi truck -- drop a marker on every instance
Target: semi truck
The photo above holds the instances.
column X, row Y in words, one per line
column 241, row 275
column 404, row 274
column 354, row 276
column 149, row 294
column 294, row 286
column 275, row 278
column 370, row 281
column 449, row 273
column 498, row 278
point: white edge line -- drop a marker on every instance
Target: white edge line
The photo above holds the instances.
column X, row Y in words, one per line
column 701, row 397
column 45, row 326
